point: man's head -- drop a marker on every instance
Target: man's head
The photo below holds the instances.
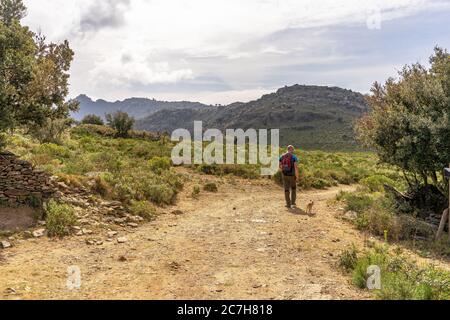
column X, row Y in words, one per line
column 290, row 149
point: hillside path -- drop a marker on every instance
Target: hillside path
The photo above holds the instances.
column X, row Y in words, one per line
column 240, row 243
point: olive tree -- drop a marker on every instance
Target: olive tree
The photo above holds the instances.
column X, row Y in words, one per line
column 409, row 122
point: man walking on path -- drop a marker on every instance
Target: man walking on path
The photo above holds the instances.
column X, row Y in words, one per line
column 289, row 171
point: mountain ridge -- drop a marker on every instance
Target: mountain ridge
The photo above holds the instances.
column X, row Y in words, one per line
column 314, row 117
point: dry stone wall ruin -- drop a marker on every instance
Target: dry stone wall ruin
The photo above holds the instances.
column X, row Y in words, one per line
column 20, row 183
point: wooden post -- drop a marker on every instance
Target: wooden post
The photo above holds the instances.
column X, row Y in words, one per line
column 445, row 217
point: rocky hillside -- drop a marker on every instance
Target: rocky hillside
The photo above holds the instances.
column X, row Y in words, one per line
column 311, row 117
column 136, row 107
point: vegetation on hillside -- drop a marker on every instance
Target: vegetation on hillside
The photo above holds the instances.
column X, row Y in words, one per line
column 116, row 168
column 312, row 117
column 401, row 278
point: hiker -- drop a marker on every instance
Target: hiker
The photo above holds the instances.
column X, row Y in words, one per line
column 289, row 171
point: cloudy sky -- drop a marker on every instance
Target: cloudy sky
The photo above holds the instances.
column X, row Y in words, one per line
column 221, row 51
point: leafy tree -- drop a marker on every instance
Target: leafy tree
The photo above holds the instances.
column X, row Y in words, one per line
column 92, row 119
column 409, row 124
column 121, row 122
column 33, row 73
column 12, row 10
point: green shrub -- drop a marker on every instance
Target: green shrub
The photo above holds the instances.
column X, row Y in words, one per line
column 54, row 150
column 93, row 129
column 357, row 202
column 210, row 187
column 52, row 131
column 93, row 119
column 121, row 122
column 59, row 219
column 375, row 183
column 348, row 259
column 142, row 184
column 101, row 187
column 143, row 209
column 195, row 192
column 401, row 279
column 243, row 170
column 160, row 164
column 161, row 194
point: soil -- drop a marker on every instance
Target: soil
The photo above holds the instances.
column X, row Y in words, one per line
column 16, row 219
column 238, row 243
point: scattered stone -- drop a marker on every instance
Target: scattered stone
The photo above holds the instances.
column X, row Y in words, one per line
column 177, row 212
column 174, row 266
column 123, row 259
column 42, row 223
column 112, row 234
column 133, row 225
column 10, row 291
column 350, row 215
column 93, row 242
column 6, row 244
column 120, row 220
column 86, row 231
column 122, row 240
column 259, row 221
column 38, row 233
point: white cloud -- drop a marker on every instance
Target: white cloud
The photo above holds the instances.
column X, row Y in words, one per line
column 166, row 42
column 127, row 69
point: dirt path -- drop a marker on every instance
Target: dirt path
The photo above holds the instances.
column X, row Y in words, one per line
column 240, row 243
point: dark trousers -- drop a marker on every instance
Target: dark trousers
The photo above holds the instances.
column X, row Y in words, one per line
column 290, row 190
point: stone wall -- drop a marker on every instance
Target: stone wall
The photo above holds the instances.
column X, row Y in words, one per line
column 20, row 182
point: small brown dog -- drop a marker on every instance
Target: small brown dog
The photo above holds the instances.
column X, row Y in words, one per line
column 309, row 208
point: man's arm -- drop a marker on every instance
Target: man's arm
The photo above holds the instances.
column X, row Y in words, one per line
column 297, row 175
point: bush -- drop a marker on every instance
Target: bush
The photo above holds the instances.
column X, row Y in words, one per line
column 121, row 122
column 93, row 129
column 245, row 171
column 376, row 183
column 401, row 279
column 101, row 187
column 53, row 150
column 159, row 164
column 93, row 119
column 195, row 192
column 210, row 187
column 59, row 219
column 51, row 131
column 143, row 184
column 348, row 259
column 356, row 202
column 143, row 209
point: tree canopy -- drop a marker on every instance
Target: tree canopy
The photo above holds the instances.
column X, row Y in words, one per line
column 409, row 122
column 33, row 73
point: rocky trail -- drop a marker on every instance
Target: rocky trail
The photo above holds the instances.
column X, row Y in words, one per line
column 239, row 243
